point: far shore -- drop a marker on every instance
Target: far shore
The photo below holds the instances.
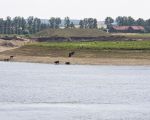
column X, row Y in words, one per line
column 78, row 61
column 86, row 53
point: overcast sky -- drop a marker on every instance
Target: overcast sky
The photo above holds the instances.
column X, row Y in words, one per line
column 76, row 9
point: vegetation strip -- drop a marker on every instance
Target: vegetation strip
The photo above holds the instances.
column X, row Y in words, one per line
column 117, row 45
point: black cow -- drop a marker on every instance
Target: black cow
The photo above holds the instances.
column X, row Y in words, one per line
column 11, row 57
column 71, row 54
column 7, row 59
column 56, row 62
column 67, row 63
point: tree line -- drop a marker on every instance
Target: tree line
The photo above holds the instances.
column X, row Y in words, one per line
column 31, row 25
column 20, row 25
column 128, row 21
column 86, row 23
column 89, row 23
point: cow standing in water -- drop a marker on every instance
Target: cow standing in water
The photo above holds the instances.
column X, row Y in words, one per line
column 71, row 54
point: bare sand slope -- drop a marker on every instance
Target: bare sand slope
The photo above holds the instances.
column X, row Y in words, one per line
column 11, row 44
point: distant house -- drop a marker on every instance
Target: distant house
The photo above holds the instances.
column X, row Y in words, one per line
column 127, row 29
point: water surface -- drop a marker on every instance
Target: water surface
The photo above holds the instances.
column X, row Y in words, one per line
column 74, row 92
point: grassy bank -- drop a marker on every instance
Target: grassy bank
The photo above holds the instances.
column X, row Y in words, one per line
column 130, row 49
column 117, row 45
column 114, row 53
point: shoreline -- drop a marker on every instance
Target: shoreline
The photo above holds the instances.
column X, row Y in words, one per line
column 79, row 61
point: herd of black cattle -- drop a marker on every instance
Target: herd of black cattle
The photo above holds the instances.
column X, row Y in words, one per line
column 67, row 63
column 55, row 62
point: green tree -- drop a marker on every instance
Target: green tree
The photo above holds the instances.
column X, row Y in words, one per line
column 125, row 21
column 131, row 21
column 72, row 25
column 90, row 23
column 19, row 25
column 24, row 26
column 148, row 22
column 36, row 25
column 109, row 21
column 95, row 24
column 67, row 22
column 52, row 22
column 30, row 21
column 1, row 26
column 81, row 23
column 15, row 25
column 57, row 22
column 147, row 25
column 8, row 25
column 120, row 20
column 85, row 23
column 140, row 22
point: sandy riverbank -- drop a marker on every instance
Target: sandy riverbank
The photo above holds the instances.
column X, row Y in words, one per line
column 36, row 54
column 79, row 61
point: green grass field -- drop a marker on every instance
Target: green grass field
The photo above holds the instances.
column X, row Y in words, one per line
column 117, row 45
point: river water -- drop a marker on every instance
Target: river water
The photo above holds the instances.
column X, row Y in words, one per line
column 30, row 91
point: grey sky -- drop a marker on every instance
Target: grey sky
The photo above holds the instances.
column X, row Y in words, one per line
column 75, row 9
